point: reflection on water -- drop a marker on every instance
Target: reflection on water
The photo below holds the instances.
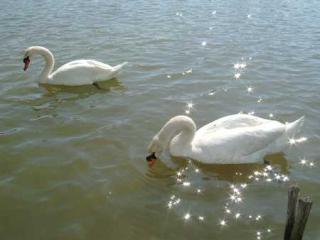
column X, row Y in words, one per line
column 58, row 94
column 86, row 90
column 193, row 180
column 229, row 172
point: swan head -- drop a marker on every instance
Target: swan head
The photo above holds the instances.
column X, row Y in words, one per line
column 33, row 51
column 26, row 61
column 26, row 58
column 155, row 149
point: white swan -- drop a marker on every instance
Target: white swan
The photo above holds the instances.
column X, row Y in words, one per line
column 75, row 73
column 233, row 139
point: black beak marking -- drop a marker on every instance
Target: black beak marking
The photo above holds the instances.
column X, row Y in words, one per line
column 151, row 157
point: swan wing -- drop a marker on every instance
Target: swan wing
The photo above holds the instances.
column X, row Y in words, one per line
column 234, row 121
column 86, row 63
column 229, row 145
column 81, row 72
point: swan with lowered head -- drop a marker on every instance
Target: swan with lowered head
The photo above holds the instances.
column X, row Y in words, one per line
column 233, row 139
column 75, row 73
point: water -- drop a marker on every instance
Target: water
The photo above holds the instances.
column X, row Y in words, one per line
column 73, row 160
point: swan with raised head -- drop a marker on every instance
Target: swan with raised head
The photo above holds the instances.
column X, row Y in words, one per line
column 234, row 139
column 75, row 73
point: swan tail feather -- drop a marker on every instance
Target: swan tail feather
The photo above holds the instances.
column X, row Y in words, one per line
column 293, row 128
column 117, row 68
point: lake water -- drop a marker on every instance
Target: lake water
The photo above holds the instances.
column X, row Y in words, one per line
column 73, row 160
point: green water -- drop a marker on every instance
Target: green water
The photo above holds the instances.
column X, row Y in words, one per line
column 72, row 161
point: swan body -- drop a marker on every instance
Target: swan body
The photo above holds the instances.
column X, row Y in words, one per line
column 233, row 139
column 75, row 73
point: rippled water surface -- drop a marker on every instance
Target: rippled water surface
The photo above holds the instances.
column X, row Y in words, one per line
column 73, row 160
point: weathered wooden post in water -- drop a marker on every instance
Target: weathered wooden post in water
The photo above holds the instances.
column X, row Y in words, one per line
column 297, row 214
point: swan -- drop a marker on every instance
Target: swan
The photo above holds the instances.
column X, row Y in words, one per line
column 75, row 73
column 233, row 139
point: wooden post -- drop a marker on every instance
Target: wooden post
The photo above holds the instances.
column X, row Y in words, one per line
column 304, row 207
column 297, row 214
column 291, row 210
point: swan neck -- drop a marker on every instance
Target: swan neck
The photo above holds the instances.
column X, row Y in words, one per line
column 49, row 62
column 182, row 126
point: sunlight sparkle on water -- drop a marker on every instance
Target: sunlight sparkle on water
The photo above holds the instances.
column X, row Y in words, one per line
column 236, row 191
column 173, row 201
column 303, row 161
column 270, row 115
column 237, row 215
column 187, row 216
column 237, row 76
column 269, row 168
column 268, row 174
column 186, row 184
column 201, row 218
column 204, row 43
column 189, row 71
column 214, row 12
column 239, row 66
column 211, row 93
column 233, row 197
column 223, row 223
column 190, row 105
column 243, row 65
column 249, row 89
column 293, row 141
column 301, row 140
column 236, row 66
